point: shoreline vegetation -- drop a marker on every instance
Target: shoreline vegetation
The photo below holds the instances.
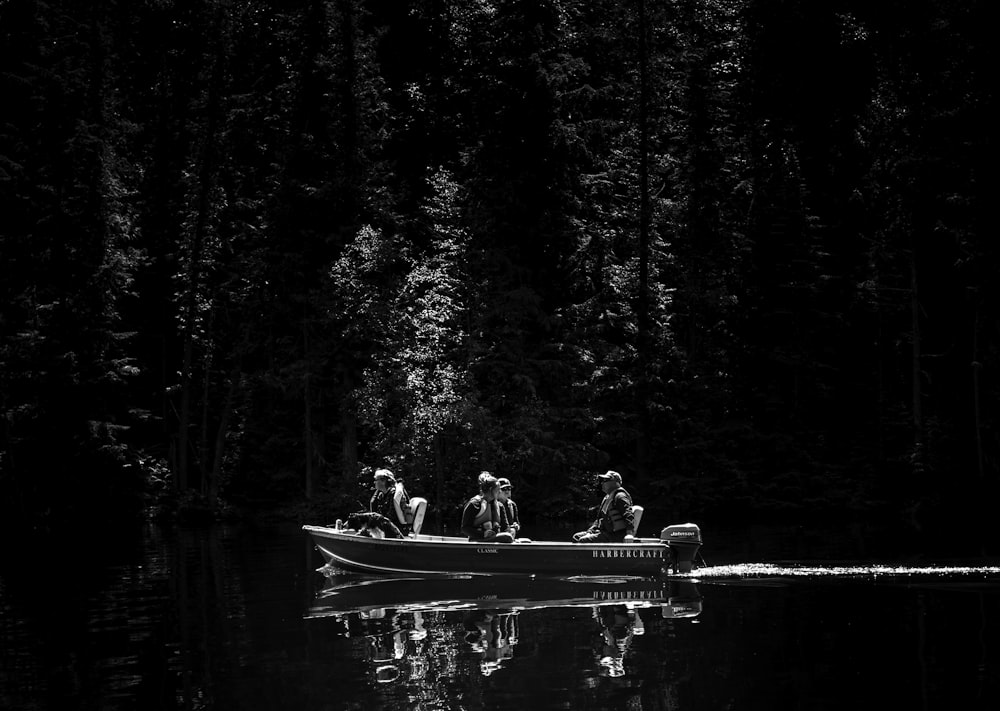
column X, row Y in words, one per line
column 740, row 251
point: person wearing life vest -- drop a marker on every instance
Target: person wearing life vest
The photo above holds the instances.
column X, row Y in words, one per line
column 401, row 506
column 390, row 499
column 381, row 501
column 615, row 522
column 481, row 518
column 508, row 509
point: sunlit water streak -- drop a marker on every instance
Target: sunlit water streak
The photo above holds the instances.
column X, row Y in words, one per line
column 755, row 570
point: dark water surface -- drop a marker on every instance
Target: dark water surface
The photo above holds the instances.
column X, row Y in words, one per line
column 239, row 618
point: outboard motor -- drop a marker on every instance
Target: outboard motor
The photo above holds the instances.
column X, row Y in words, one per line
column 683, row 540
column 684, row 601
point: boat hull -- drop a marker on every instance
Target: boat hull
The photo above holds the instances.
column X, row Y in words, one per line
column 449, row 555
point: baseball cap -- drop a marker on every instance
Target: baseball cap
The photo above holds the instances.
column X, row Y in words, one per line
column 609, row 475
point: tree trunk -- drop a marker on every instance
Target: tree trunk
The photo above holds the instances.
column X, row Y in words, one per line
column 349, row 433
column 308, row 425
column 206, row 178
column 439, row 480
column 977, row 367
column 184, row 415
column 307, row 437
column 215, row 478
column 917, row 391
column 349, row 98
column 206, row 412
column 643, row 336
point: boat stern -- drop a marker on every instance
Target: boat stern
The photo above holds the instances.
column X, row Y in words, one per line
column 684, row 541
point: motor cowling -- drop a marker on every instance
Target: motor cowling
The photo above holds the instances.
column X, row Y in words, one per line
column 683, row 540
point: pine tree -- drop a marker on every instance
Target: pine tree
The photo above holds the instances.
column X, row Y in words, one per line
column 68, row 258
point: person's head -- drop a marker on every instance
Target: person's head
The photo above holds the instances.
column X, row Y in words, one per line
column 610, row 480
column 504, row 488
column 488, row 486
column 384, row 479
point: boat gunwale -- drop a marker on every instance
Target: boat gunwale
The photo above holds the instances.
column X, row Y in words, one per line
column 350, row 535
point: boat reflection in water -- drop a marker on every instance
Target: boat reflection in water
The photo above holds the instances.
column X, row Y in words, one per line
column 493, row 634
column 412, row 622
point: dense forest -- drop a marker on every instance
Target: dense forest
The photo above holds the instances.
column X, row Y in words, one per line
column 734, row 249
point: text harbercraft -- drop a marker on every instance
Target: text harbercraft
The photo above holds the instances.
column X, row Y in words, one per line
column 628, row 595
column 624, row 553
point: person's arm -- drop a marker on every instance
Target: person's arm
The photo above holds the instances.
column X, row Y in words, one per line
column 515, row 519
column 625, row 507
column 378, row 503
column 596, row 525
column 468, row 521
column 502, row 517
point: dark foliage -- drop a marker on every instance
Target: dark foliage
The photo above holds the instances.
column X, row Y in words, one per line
column 734, row 249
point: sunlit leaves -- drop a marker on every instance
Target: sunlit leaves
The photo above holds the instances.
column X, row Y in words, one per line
column 419, row 382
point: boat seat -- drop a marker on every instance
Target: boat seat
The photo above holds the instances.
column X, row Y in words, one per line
column 418, row 509
column 636, row 517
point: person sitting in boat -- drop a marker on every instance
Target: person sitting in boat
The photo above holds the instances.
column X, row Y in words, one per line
column 615, row 522
column 391, row 500
column 401, row 506
column 508, row 509
column 381, row 501
column 481, row 518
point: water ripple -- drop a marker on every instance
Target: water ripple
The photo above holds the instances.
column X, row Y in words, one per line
column 754, row 570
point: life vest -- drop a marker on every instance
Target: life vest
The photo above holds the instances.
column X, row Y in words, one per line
column 486, row 517
column 612, row 519
column 404, row 503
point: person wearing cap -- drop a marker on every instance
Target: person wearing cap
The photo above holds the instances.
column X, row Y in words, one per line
column 390, row 499
column 508, row 509
column 381, row 501
column 615, row 522
column 481, row 518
